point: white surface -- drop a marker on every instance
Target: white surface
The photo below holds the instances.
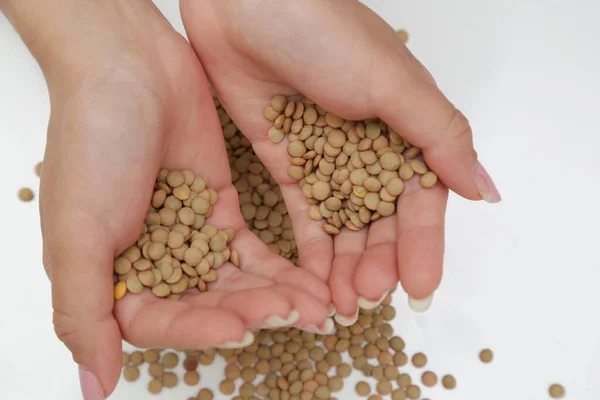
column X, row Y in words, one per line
column 520, row 277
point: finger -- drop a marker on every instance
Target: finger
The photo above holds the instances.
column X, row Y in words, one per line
column 313, row 313
column 264, row 305
column 349, row 246
column 377, row 271
column 82, row 299
column 420, row 219
column 150, row 322
column 259, row 260
column 309, row 309
column 259, row 307
column 315, row 246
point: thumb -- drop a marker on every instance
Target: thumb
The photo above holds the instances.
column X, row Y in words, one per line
column 82, row 298
column 411, row 103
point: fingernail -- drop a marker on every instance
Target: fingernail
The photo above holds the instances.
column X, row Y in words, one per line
column 420, row 305
column 246, row 341
column 347, row 320
column 327, row 329
column 485, row 185
column 368, row 304
column 275, row 321
column 90, row 385
column 331, row 309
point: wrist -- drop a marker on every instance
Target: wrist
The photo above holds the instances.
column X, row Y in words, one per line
column 79, row 36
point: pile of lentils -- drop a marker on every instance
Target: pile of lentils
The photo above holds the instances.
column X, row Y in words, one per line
column 351, row 172
column 176, row 250
column 290, row 364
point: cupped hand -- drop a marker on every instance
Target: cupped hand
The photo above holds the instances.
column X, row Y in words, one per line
column 345, row 58
column 129, row 96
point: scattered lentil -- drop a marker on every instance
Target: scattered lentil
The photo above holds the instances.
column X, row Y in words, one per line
column 402, row 35
column 449, row 382
column 413, row 392
column 556, row 391
column 25, row 194
column 131, row 374
column 419, row 360
column 429, row 378
column 486, row 356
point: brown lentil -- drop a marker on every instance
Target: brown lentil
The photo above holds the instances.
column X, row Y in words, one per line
column 556, row 391
column 419, row 360
column 413, row 392
column 363, row 388
column 486, row 356
column 449, row 382
column 429, row 378
column 131, row 374
column 25, row 194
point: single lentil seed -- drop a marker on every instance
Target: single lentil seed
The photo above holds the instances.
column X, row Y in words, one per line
column 429, row 378
column 486, row 356
column 556, row 391
column 25, row 194
column 419, row 360
column 449, row 382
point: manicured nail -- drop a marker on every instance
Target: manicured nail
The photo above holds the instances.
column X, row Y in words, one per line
column 347, row 320
column 327, row 329
column 332, row 310
column 246, row 341
column 90, row 385
column 485, row 185
column 420, row 305
column 275, row 321
column 368, row 304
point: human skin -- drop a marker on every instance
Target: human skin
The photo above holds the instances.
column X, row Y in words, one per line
column 129, row 95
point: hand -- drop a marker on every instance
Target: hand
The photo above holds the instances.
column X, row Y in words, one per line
column 345, row 58
column 128, row 95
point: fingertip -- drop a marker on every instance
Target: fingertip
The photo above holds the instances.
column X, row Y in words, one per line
column 485, row 185
column 420, row 260
column 377, row 271
column 98, row 354
column 341, row 283
column 420, row 251
column 420, row 286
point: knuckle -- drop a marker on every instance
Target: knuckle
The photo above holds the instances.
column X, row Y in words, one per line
column 458, row 129
column 67, row 330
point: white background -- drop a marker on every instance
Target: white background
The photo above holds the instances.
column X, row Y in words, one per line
column 521, row 277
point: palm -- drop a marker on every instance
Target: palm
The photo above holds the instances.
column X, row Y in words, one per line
column 270, row 47
column 102, row 178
